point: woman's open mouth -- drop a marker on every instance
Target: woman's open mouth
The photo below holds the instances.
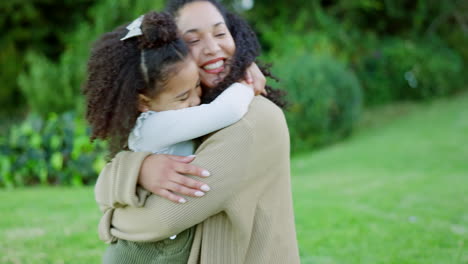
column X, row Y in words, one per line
column 214, row 66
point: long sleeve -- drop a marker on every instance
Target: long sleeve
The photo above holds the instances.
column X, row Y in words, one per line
column 162, row 129
column 247, row 217
column 226, row 157
column 112, row 193
column 229, row 155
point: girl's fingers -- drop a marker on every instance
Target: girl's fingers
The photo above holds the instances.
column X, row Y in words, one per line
column 248, row 77
column 170, row 196
column 258, row 79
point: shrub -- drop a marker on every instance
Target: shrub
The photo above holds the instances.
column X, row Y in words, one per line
column 406, row 70
column 37, row 25
column 54, row 85
column 55, row 150
column 325, row 99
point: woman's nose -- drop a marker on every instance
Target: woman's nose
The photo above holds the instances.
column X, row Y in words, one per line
column 211, row 46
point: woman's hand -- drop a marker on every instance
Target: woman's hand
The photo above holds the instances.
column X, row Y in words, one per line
column 255, row 78
column 164, row 175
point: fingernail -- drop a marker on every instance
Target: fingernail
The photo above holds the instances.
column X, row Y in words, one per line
column 205, row 173
column 182, row 200
column 205, row 188
column 198, row 193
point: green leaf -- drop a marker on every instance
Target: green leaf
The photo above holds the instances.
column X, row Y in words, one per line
column 57, row 161
column 35, row 141
column 55, row 142
column 99, row 164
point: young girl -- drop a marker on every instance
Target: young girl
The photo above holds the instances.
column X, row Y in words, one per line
column 143, row 93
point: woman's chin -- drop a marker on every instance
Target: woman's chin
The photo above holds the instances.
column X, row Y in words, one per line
column 210, row 81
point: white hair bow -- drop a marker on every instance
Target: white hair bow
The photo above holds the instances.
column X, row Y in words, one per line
column 134, row 28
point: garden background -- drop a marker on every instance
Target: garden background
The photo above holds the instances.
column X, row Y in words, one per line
column 378, row 118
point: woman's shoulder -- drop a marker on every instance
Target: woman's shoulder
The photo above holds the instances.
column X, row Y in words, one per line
column 262, row 118
column 264, row 112
column 264, row 123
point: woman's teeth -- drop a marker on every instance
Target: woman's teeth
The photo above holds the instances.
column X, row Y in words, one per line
column 213, row 66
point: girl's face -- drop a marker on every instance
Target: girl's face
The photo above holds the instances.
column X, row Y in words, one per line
column 204, row 30
column 182, row 90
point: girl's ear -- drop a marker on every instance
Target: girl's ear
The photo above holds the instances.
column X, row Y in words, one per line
column 143, row 103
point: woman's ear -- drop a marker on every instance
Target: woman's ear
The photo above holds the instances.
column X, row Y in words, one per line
column 143, row 103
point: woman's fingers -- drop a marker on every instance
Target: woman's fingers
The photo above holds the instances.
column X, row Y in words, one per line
column 170, row 196
column 190, row 169
column 182, row 186
column 184, row 159
column 163, row 175
column 181, row 189
column 191, row 183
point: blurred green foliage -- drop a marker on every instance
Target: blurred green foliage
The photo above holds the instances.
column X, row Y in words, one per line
column 400, row 50
column 348, row 21
column 47, row 44
column 408, row 70
column 33, row 26
column 325, row 96
column 333, row 57
column 54, row 150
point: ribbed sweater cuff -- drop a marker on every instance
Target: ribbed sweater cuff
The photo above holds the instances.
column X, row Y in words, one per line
column 126, row 170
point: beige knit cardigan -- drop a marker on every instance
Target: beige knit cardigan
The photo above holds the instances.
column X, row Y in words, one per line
column 247, row 217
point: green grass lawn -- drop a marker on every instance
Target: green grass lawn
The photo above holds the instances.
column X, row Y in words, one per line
column 396, row 192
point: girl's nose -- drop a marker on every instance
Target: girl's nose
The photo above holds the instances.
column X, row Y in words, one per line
column 195, row 100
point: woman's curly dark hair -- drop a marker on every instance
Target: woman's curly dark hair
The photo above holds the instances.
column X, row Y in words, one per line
column 120, row 70
column 247, row 51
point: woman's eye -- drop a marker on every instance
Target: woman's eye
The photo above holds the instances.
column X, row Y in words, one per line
column 220, row 34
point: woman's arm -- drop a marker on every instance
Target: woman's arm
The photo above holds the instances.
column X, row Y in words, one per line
column 166, row 128
column 119, row 186
column 230, row 155
column 170, row 127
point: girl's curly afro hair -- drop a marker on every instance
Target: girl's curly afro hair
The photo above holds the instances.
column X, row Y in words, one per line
column 120, row 70
column 247, row 50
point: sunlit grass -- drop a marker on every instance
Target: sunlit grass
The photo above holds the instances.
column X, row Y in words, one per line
column 49, row 225
column 396, row 192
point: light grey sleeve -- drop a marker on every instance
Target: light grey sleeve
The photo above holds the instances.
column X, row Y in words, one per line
column 166, row 128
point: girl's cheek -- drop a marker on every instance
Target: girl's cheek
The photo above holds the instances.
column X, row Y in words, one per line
column 196, row 54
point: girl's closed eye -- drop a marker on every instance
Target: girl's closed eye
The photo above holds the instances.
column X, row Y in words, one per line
column 183, row 97
column 188, row 94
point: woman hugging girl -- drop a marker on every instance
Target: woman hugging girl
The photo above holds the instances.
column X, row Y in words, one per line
column 144, row 92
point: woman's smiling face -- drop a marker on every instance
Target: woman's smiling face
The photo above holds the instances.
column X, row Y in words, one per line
column 204, row 30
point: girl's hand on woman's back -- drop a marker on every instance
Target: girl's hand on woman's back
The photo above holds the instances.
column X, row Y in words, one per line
column 255, row 78
column 164, row 175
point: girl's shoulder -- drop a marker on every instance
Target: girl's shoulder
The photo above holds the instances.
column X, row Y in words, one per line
column 136, row 131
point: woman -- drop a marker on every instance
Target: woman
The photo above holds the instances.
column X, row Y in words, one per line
column 247, row 216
